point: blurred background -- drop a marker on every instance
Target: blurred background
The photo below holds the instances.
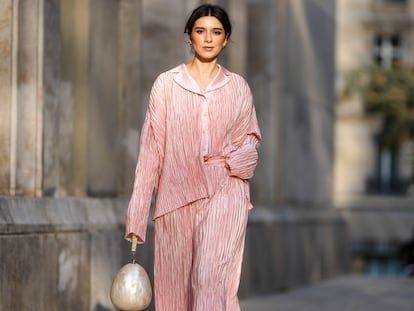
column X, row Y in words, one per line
column 333, row 83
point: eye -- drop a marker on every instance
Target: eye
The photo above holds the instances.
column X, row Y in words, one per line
column 218, row 32
column 199, row 30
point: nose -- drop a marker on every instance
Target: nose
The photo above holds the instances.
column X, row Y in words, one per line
column 208, row 37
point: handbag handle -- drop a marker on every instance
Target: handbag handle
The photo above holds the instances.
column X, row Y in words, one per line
column 134, row 247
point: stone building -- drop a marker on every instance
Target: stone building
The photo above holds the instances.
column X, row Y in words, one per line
column 371, row 182
column 74, row 82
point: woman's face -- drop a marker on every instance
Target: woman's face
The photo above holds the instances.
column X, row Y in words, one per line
column 208, row 38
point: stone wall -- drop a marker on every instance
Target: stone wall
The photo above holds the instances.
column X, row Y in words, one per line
column 59, row 254
column 62, row 254
column 287, row 248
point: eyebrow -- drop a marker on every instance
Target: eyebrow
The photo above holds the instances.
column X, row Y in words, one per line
column 215, row 28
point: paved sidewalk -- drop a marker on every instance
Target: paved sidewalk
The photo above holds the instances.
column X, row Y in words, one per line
column 350, row 293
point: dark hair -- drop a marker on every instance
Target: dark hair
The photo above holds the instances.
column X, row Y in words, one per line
column 209, row 10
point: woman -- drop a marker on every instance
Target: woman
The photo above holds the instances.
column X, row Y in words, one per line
column 197, row 150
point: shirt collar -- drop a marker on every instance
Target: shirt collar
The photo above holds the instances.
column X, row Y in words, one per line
column 184, row 79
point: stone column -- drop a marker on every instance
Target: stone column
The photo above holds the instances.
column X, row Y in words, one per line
column 115, row 109
column 74, row 95
column 8, row 10
column 38, row 107
column 291, row 70
column 29, row 103
column 103, row 123
column 308, row 113
column 21, row 79
column 54, row 121
column 264, row 68
column 129, row 81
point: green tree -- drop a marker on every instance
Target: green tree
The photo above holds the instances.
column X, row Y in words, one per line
column 389, row 94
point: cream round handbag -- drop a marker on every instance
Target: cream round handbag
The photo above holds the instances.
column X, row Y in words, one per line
column 131, row 288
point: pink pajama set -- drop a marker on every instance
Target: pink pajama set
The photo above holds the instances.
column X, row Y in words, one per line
column 197, row 151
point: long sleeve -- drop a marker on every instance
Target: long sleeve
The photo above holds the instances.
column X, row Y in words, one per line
column 242, row 160
column 148, row 167
column 172, row 164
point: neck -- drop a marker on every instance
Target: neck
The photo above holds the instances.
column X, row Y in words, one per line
column 203, row 69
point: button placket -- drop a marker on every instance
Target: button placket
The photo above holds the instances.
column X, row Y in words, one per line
column 205, row 139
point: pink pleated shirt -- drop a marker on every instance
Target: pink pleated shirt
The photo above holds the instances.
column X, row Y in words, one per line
column 183, row 129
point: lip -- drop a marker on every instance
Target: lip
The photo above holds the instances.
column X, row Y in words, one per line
column 208, row 48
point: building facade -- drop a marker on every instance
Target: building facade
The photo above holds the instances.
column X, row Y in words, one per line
column 369, row 32
column 373, row 184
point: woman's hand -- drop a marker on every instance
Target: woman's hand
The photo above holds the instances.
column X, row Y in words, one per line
column 242, row 161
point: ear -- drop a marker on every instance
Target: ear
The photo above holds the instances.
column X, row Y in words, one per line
column 224, row 43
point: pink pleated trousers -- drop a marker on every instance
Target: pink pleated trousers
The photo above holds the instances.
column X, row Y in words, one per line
column 199, row 248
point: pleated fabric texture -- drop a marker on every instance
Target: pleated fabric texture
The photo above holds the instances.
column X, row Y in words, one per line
column 182, row 129
column 197, row 151
column 198, row 266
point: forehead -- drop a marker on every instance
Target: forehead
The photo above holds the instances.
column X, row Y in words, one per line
column 208, row 22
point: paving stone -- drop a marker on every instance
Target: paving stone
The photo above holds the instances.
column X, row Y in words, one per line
column 349, row 293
